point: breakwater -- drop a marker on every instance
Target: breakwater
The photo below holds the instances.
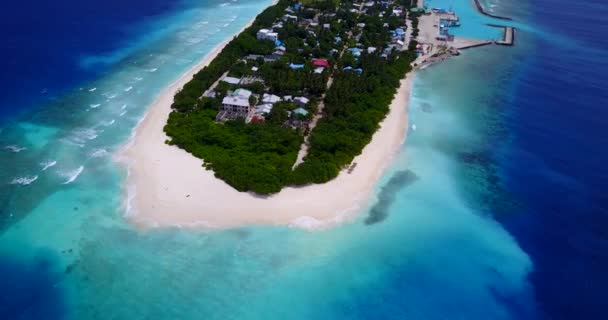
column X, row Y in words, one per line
column 482, row 11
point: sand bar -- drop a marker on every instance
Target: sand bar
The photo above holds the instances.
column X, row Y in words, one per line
column 167, row 187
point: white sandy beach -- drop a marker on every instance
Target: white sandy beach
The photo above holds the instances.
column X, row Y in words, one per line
column 167, row 187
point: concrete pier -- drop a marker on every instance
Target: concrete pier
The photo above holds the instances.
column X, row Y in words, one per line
column 465, row 43
column 508, row 38
column 482, row 11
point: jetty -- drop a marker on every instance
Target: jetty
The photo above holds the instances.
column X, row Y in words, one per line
column 508, row 38
column 466, row 43
column 484, row 12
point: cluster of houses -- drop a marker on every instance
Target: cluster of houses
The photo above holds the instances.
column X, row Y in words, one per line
column 242, row 103
column 398, row 35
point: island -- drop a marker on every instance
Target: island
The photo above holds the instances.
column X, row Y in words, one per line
column 291, row 122
column 296, row 96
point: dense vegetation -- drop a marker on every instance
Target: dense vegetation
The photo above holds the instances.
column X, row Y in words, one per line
column 256, row 156
column 245, row 43
column 259, row 157
column 354, row 107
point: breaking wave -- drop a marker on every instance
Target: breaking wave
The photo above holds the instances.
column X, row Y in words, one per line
column 47, row 164
column 97, row 153
column 24, row 181
column 73, row 175
column 14, row 148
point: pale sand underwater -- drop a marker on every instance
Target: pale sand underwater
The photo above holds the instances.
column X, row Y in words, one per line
column 168, row 187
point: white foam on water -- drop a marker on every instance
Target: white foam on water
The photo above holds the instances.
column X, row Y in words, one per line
column 124, row 106
column 122, row 113
column 226, row 24
column 14, row 148
column 80, row 136
column 107, row 123
column 131, row 192
column 92, row 89
column 97, row 153
column 138, row 78
column 152, row 70
column 195, row 40
column 225, row 4
column 74, row 143
column 73, row 175
column 47, row 164
column 94, row 106
column 24, row 181
column 128, row 89
column 306, row 222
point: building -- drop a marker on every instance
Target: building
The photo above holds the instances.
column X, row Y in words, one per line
column 257, row 118
column 320, row 63
column 349, row 68
column 265, row 34
column 399, row 33
column 319, row 70
column 254, row 57
column 272, row 58
column 296, row 66
column 237, row 102
column 231, row 80
column 301, row 112
column 270, row 98
column 263, row 108
column 288, row 17
column 301, row 101
column 242, row 93
column 355, row 51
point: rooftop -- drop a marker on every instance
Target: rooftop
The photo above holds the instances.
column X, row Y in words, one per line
column 236, row 101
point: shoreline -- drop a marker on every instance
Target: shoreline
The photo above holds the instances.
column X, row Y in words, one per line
column 168, row 187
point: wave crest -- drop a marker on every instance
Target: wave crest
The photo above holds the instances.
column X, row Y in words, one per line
column 24, row 181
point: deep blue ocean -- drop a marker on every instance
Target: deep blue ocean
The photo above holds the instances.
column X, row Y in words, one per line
column 553, row 160
column 497, row 206
column 45, row 44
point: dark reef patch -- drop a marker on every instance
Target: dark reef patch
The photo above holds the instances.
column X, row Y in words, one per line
column 426, row 107
column 379, row 212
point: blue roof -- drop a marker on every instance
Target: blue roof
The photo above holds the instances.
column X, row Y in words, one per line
column 349, row 68
column 297, row 6
column 296, row 66
column 301, row 111
column 355, row 51
column 278, row 43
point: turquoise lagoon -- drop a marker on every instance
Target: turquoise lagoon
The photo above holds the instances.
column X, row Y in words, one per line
column 426, row 248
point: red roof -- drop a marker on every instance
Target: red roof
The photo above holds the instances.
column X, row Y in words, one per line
column 257, row 118
column 320, row 62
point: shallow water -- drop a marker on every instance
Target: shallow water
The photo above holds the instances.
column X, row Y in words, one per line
column 428, row 246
